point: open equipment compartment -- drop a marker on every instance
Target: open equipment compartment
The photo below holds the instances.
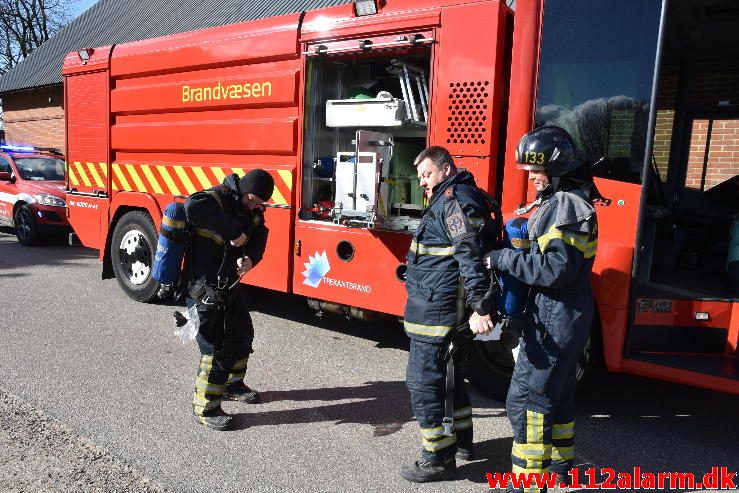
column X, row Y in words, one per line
column 366, row 121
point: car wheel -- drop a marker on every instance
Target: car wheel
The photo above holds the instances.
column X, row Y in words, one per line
column 490, row 364
column 132, row 250
column 26, row 229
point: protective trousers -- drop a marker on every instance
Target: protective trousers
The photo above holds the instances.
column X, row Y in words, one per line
column 426, row 381
column 225, row 340
column 541, row 403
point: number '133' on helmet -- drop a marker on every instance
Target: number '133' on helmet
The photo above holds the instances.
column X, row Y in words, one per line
column 549, row 149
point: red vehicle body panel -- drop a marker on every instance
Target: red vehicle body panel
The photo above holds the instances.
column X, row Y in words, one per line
column 140, row 115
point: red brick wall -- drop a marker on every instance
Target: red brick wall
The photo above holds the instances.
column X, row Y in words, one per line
column 723, row 153
column 30, row 118
column 715, row 82
column 666, row 102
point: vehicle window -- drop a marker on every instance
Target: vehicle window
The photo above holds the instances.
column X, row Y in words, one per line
column 5, row 166
column 595, row 79
column 40, row 168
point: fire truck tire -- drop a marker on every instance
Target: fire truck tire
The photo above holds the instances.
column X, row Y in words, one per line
column 490, row 365
column 26, row 229
column 132, row 248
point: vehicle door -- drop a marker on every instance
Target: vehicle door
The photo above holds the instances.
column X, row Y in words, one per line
column 7, row 192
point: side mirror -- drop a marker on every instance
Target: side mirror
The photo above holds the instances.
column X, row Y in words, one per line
column 5, row 176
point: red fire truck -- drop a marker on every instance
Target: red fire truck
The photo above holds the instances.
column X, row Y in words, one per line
column 336, row 102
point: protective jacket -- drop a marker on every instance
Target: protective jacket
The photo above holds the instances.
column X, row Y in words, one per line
column 445, row 269
column 564, row 237
column 218, row 217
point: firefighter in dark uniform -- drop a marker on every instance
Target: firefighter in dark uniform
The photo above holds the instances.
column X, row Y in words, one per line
column 228, row 239
column 564, row 237
column 445, row 277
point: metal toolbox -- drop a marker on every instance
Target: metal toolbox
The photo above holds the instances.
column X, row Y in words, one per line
column 365, row 112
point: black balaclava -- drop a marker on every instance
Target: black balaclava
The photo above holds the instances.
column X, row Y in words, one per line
column 257, row 182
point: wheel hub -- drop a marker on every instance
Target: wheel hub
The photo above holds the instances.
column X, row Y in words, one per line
column 135, row 257
column 23, row 225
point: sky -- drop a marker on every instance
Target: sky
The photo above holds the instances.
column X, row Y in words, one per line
column 82, row 5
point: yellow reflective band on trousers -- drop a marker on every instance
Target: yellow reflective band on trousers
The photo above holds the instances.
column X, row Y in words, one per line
column 432, row 432
column 534, row 427
column 427, row 330
column 439, row 250
column 207, row 394
column 563, row 435
column 211, row 235
column 463, row 412
column 201, row 383
column 434, row 439
column 578, row 240
column 462, row 418
column 563, row 453
column 173, row 223
column 534, row 453
column 563, row 430
column 238, row 371
column 533, row 488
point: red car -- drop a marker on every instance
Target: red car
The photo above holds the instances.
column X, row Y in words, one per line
column 32, row 193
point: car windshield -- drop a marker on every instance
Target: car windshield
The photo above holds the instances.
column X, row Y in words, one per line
column 40, row 168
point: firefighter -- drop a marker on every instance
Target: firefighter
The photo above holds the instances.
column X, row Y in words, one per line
column 228, row 239
column 564, row 236
column 446, row 276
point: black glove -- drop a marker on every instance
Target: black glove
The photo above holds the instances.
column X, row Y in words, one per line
column 491, row 259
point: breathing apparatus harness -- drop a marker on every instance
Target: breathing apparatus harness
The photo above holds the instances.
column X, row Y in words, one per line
column 205, row 294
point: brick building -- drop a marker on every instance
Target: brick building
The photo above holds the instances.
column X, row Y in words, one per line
column 32, row 94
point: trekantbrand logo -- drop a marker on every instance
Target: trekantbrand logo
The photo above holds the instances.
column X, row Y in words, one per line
column 316, row 267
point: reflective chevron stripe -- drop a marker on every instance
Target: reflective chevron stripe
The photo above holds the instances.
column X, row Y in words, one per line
column 167, row 180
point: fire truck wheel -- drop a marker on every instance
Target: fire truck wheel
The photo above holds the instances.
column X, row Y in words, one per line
column 132, row 250
column 490, row 365
column 26, row 229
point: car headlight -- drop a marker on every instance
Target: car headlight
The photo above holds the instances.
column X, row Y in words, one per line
column 47, row 199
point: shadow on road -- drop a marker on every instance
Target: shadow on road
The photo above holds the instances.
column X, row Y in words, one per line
column 383, row 405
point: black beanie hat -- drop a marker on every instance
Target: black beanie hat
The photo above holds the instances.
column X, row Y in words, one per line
column 257, row 182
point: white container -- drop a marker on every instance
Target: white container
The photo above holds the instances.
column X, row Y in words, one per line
column 365, row 112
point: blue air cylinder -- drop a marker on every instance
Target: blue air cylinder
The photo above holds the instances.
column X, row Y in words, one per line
column 171, row 246
column 511, row 300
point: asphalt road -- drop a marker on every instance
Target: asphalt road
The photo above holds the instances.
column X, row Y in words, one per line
column 336, row 415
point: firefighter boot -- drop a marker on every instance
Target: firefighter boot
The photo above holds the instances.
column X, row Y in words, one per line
column 216, row 419
column 242, row 393
column 423, row 471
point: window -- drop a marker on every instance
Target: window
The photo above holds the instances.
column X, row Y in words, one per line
column 5, row 166
column 40, row 168
column 595, row 79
